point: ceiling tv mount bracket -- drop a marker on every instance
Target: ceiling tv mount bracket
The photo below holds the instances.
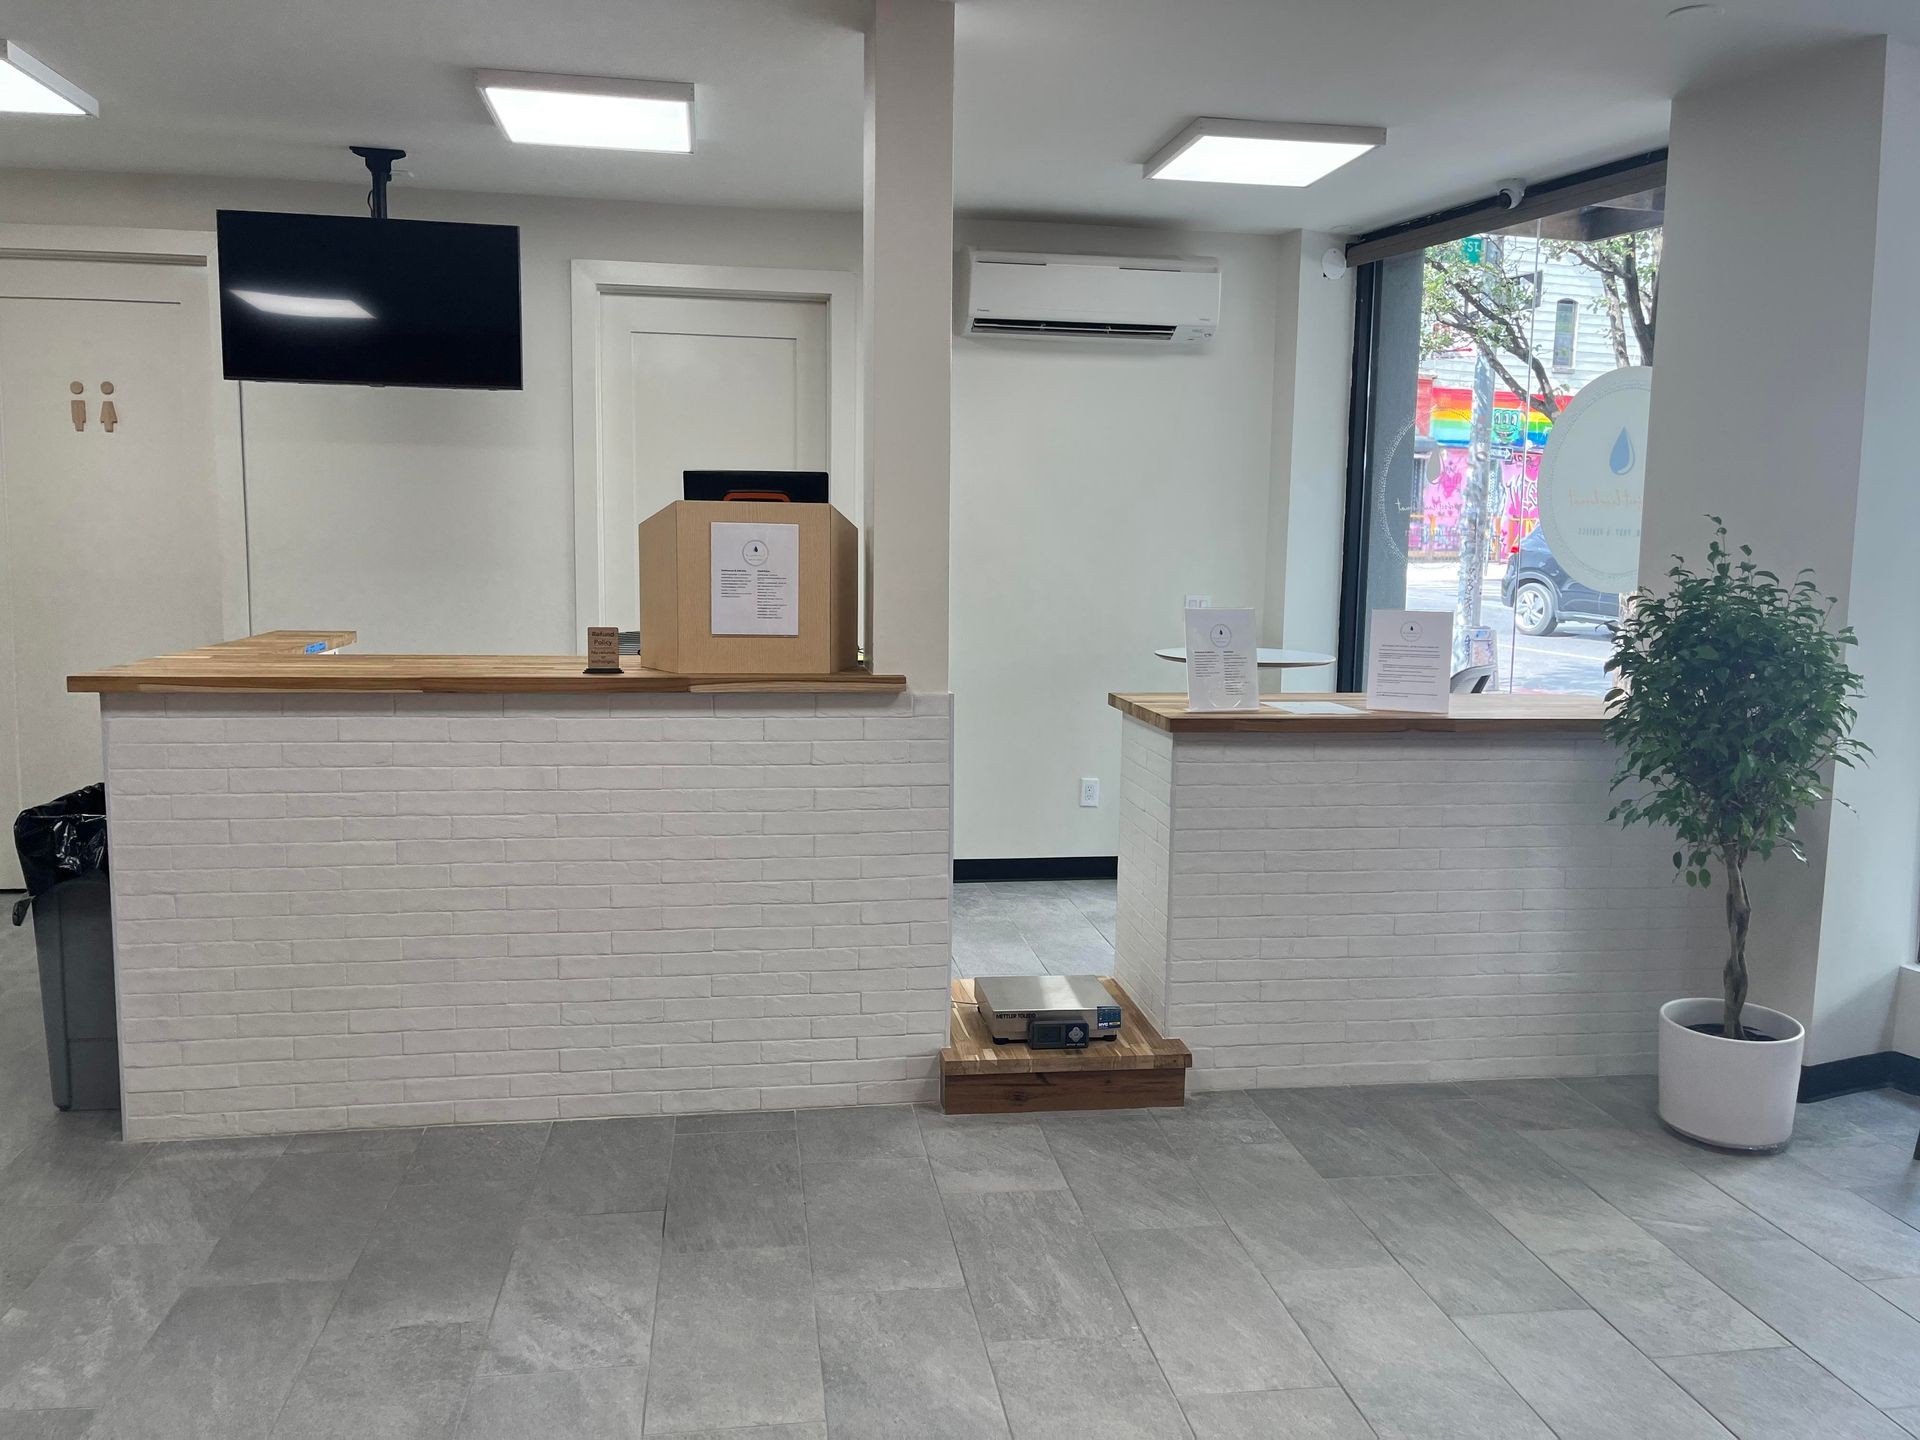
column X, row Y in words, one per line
column 380, row 167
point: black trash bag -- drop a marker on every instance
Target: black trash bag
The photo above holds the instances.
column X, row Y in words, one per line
column 60, row 840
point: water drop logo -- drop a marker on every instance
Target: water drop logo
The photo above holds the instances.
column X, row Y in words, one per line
column 1620, row 459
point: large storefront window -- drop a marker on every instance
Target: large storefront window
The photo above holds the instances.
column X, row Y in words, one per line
column 1483, row 350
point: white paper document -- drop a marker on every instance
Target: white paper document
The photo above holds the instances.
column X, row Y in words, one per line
column 1410, row 660
column 1222, row 660
column 1312, row 707
column 756, row 579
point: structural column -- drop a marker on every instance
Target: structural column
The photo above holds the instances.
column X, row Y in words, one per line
column 1787, row 361
column 908, row 321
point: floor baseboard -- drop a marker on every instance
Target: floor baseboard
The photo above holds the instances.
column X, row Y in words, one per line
column 1860, row 1072
column 1044, row 867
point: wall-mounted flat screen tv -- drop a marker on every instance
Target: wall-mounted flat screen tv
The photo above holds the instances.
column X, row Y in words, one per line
column 342, row 300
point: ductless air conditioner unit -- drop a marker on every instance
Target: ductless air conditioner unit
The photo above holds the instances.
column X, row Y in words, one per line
column 1159, row 300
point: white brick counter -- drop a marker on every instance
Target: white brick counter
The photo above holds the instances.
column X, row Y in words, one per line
column 1332, row 909
column 335, row 910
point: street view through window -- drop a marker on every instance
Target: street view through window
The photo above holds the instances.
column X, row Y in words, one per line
column 1485, row 347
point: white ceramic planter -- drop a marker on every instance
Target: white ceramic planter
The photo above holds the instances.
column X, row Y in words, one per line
column 1737, row 1094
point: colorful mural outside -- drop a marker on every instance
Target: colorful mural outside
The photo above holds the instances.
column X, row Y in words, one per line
column 1444, row 416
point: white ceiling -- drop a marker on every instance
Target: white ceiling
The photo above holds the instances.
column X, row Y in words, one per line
column 1058, row 101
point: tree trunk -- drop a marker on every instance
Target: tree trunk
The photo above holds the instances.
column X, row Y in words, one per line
column 1739, row 911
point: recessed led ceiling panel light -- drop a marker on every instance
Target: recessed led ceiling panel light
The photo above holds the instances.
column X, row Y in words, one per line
column 28, row 87
column 590, row 113
column 1257, row 152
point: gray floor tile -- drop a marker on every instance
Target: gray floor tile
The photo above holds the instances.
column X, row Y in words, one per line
column 402, row 1384
column 44, row 1424
column 1456, row 1132
column 1904, row 1293
column 973, row 959
column 1340, row 1134
column 477, row 1155
column 1405, row 1364
column 1124, row 1174
column 1778, row 1395
column 1269, row 1415
column 1460, row 1255
column 1840, row 1323
column 1034, row 1268
column 1213, row 1321
column 907, row 1362
column 1907, row 1419
column 877, row 1225
column 726, row 1121
column 176, row 1198
column 1855, row 1234
column 438, row 1254
column 605, row 1167
column 861, row 1132
column 811, row 1430
column 1659, row 1301
column 30, row 1236
column 326, row 1142
column 1645, row 1181
column 1631, row 1100
column 1109, row 1387
column 1891, row 1114
column 734, row 1342
column 308, row 1220
column 1533, row 1104
column 1858, row 1162
column 77, row 1159
column 735, row 1191
column 984, row 1154
column 578, row 1294
column 1584, row 1380
column 1216, row 1117
column 78, row 1327
column 1287, row 1217
column 577, row 1404
column 220, row 1364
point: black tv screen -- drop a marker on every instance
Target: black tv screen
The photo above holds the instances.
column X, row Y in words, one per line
column 342, row 300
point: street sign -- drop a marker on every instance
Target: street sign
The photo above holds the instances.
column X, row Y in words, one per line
column 1474, row 248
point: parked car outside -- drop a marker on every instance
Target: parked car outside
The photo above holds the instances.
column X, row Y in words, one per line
column 1544, row 597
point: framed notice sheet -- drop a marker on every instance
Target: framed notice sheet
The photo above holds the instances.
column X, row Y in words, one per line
column 1222, row 660
column 1410, row 660
column 756, row 578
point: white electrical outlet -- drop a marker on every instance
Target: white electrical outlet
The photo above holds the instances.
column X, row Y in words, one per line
column 1199, row 602
column 1089, row 792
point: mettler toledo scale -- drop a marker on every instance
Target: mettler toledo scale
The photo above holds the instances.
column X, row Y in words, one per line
column 1048, row 1012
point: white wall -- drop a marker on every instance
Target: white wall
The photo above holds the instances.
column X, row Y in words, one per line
column 1782, row 401
column 1093, row 488
column 1870, row 920
column 432, row 519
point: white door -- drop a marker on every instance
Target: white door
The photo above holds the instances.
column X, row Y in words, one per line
column 699, row 382
column 108, row 539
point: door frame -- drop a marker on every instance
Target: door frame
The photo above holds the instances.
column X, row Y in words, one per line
column 187, row 249
column 595, row 279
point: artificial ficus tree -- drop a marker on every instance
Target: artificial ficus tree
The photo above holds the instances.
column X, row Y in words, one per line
column 1734, row 703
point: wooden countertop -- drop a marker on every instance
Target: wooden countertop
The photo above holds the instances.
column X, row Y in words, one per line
column 1566, row 714
column 294, row 661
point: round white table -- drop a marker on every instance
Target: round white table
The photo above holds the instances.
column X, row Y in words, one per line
column 1266, row 659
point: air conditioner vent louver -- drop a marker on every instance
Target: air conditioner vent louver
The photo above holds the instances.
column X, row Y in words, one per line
column 1166, row 300
column 1120, row 329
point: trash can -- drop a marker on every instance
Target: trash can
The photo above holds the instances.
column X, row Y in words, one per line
column 63, row 855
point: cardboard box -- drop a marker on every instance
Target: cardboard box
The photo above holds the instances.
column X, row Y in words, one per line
column 676, row 592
